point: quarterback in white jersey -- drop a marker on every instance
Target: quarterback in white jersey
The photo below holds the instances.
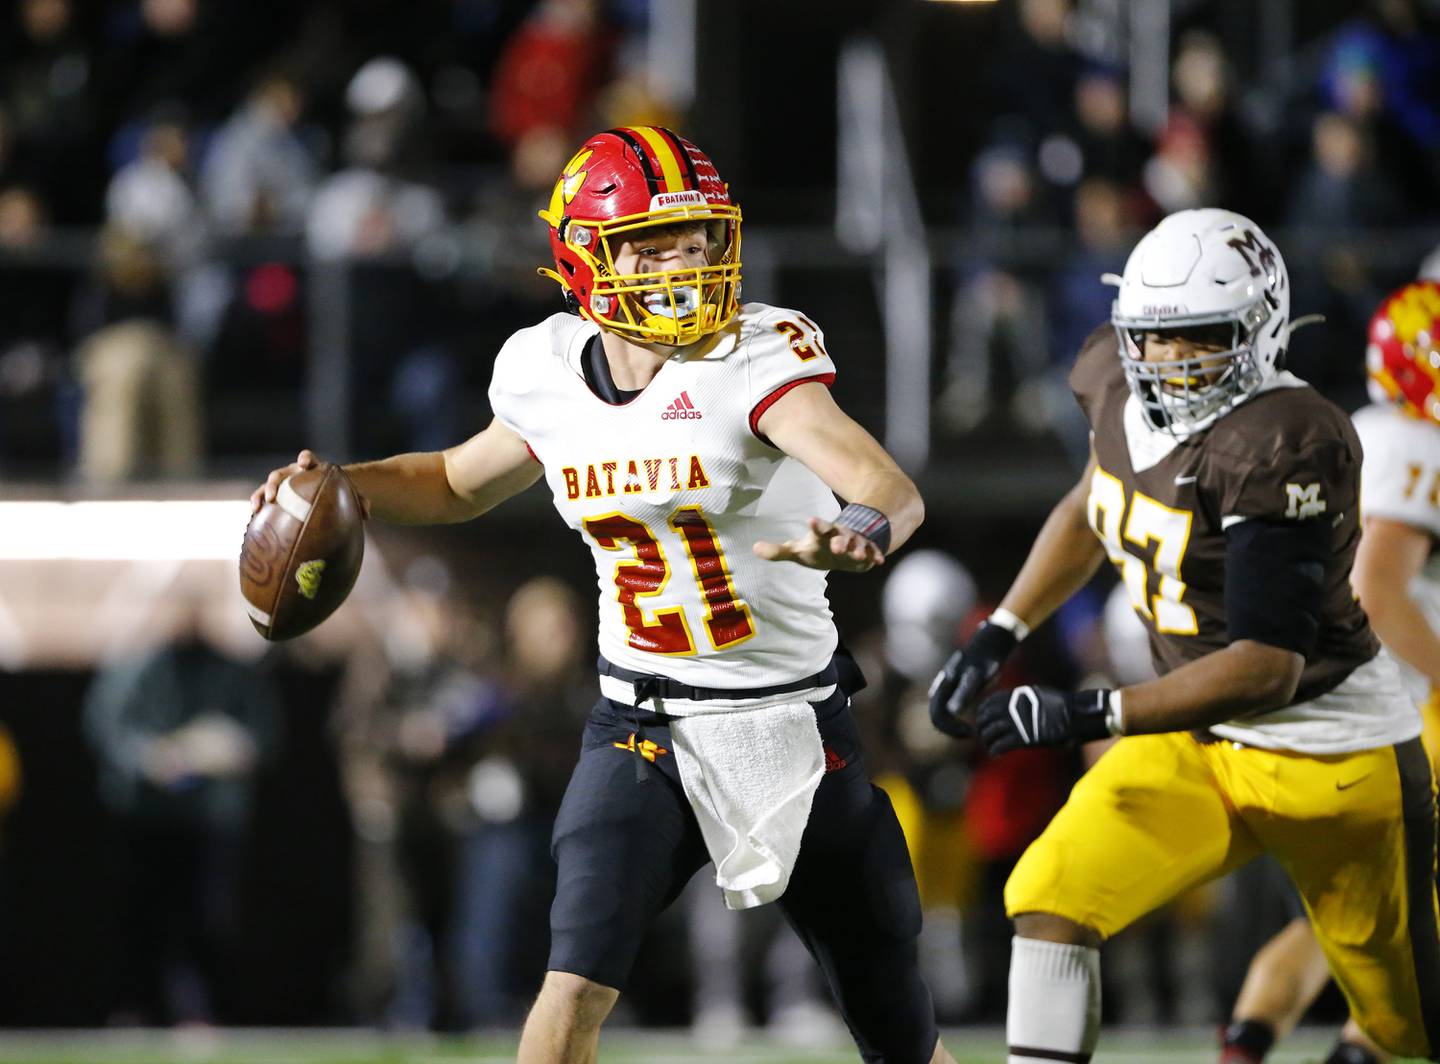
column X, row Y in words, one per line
column 694, row 446
column 671, row 488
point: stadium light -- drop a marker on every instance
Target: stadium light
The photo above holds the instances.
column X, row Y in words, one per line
column 152, row 530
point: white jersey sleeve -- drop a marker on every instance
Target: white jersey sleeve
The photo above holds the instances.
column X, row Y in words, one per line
column 784, row 349
column 518, row 381
column 1400, row 477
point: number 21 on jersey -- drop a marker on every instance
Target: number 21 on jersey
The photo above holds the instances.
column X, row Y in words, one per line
column 1146, row 522
column 727, row 618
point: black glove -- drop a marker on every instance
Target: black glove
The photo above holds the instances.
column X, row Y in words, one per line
column 1042, row 716
column 965, row 676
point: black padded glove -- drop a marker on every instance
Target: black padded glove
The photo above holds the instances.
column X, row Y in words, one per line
column 1042, row 716
column 965, row 676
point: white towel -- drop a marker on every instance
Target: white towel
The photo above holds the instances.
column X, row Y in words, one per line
column 750, row 775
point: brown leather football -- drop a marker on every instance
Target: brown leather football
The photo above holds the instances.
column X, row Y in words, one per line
column 302, row 552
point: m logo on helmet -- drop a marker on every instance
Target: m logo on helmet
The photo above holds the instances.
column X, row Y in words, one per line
column 1249, row 244
column 1305, row 501
column 1190, row 260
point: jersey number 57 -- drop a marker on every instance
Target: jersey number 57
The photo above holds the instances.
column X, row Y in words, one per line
column 1147, row 521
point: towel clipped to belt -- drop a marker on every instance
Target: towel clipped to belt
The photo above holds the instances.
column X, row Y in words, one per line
column 749, row 767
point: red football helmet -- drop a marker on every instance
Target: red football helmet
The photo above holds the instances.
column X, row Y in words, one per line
column 632, row 178
column 1403, row 355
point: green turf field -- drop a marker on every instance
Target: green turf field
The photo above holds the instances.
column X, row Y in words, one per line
column 619, row 1047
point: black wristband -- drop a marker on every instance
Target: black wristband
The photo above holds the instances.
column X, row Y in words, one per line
column 867, row 521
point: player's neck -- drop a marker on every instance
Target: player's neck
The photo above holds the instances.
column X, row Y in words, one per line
column 633, row 366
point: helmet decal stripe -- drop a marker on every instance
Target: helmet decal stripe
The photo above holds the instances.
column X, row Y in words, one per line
column 669, row 161
column 652, row 179
column 691, row 175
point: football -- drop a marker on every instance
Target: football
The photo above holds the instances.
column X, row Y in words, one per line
column 302, row 553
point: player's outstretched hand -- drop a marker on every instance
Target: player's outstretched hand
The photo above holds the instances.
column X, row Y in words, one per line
column 1042, row 716
column 959, row 685
column 306, row 459
column 825, row 546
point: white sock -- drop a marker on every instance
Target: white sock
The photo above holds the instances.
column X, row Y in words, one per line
column 1054, row 1002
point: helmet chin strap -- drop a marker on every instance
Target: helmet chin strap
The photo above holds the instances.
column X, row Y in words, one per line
column 664, row 323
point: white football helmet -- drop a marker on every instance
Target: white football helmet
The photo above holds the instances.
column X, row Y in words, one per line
column 926, row 597
column 1199, row 268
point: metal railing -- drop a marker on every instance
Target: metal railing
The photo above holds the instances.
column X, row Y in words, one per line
column 878, row 212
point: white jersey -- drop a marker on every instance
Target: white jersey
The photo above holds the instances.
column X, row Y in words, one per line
column 672, row 488
column 1400, row 481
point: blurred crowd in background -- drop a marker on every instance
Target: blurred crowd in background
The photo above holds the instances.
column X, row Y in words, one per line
column 205, row 156
column 196, row 196
column 1334, row 149
column 195, row 193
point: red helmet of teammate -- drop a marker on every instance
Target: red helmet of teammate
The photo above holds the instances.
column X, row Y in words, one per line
column 633, row 178
column 1403, row 355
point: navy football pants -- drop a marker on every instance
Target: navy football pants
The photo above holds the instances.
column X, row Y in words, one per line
column 627, row 842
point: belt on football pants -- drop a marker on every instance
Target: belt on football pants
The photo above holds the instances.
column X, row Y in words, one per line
column 630, row 688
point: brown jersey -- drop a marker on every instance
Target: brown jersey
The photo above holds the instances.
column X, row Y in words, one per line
column 1161, row 506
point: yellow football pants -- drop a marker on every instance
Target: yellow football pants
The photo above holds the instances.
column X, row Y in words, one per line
column 1158, row 814
column 946, row 868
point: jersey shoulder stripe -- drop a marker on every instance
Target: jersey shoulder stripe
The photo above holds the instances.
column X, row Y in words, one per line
column 770, row 400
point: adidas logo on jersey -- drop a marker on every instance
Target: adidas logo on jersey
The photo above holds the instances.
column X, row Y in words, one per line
column 682, row 409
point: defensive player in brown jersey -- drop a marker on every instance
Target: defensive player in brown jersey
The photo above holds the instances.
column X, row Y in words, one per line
column 1225, row 491
column 1397, row 577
